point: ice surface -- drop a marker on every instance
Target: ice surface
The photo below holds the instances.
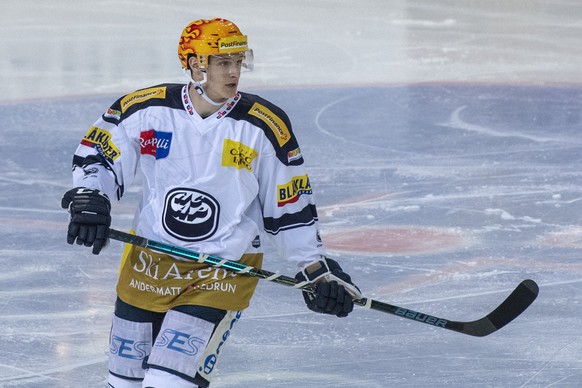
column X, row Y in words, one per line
column 443, row 142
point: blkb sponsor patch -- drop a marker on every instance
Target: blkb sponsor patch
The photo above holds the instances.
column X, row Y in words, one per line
column 155, row 143
column 292, row 190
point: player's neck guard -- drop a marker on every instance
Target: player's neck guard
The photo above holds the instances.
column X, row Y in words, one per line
column 200, row 89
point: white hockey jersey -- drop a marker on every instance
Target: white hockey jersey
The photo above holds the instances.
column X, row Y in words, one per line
column 209, row 184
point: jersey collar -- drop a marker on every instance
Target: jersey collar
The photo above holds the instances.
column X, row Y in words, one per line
column 222, row 112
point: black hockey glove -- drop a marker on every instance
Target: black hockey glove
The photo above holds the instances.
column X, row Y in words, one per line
column 334, row 290
column 90, row 218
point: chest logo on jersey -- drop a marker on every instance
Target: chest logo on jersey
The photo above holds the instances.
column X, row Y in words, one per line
column 273, row 121
column 292, row 190
column 100, row 139
column 237, row 155
column 155, row 143
column 190, row 214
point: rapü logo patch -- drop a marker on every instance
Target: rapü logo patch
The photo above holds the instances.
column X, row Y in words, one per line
column 190, row 215
column 155, row 143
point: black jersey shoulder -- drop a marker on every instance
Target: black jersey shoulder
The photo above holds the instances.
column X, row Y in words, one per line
column 168, row 95
column 275, row 124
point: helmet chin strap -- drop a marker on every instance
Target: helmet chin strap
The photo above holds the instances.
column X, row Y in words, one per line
column 200, row 89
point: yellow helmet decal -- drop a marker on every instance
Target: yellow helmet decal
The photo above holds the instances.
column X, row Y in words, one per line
column 210, row 37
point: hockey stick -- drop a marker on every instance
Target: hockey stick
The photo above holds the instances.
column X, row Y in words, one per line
column 516, row 303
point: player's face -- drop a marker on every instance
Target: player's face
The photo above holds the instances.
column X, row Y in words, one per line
column 223, row 75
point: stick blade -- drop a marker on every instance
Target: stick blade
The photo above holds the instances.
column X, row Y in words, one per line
column 515, row 304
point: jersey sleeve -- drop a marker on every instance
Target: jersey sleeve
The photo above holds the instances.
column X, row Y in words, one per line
column 287, row 199
column 106, row 158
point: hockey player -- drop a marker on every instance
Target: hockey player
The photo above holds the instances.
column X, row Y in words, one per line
column 220, row 169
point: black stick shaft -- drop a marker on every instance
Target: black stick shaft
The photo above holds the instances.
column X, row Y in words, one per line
column 519, row 300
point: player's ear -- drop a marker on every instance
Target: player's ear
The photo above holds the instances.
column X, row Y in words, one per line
column 194, row 69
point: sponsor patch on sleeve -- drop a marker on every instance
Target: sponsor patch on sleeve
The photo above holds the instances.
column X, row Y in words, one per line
column 141, row 96
column 292, row 190
column 112, row 114
column 273, row 121
column 294, row 155
column 100, row 139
